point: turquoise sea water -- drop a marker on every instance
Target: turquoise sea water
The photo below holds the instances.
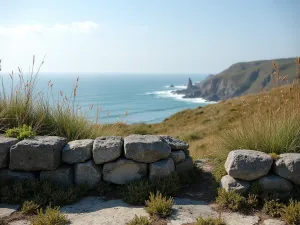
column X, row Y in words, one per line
column 147, row 98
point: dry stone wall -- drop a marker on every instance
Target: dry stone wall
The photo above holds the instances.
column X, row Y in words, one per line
column 279, row 175
column 113, row 159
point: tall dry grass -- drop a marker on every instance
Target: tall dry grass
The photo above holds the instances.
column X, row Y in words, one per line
column 48, row 112
column 274, row 126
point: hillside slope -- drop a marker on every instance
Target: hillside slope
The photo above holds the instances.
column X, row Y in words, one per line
column 240, row 79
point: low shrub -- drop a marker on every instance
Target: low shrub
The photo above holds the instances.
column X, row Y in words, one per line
column 190, row 176
column 168, row 186
column 51, row 216
column 159, row 205
column 253, row 201
column 291, row 212
column 139, row 220
column 42, row 193
column 231, row 200
column 209, row 221
column 136, row 193
column 21, row 133
column 30, row 208
column 191, row 136
column 103, row 188
column 273, row 208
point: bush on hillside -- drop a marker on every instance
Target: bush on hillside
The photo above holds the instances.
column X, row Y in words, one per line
column 291, row 212
column 139, row 220
column 209, row 221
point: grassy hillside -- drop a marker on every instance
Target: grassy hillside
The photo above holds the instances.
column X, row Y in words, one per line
column 245, row 78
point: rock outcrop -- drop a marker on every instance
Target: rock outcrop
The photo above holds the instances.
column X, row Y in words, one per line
column 77, row 151
column 123, row 171
column 161, row 169
column 231, row 184
column 248, row 164
column 88, row 173
column 146, row 148
column 288, row 167
column 40, row 153
column 107, row 149
column 5, row 145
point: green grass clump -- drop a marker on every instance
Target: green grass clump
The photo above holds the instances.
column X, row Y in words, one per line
column 253, row 201
column 51, row 216
column 274, row 156
column 103, row 188
column 231, row 200
column 21, row 133
column 191, row 136
column 291, row 213
column 42, row 193
column 139, row 220
column 219, row 171
column 273, row 208
column 30, row 208
column 209, row 221
column 136, row 193
column 159, row 205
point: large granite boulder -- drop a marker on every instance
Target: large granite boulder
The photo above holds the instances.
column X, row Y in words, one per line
column 107, row 149
column 87, row 173
column 231, row 184
column 288, row 167
column 175, row 143
column 123, row 171
column 273, row 183
column 7, row 176
column 178, row 156
column 248, row 164
column 5, row 144
column 146, row 148
column 161, row 168
column 62, row 176
column 39, row 153
column 185, row 166
column 77, row 151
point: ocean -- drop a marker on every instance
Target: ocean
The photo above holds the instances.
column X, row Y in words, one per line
column 137, row 98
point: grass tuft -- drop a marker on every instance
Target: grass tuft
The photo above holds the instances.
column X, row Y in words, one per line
column 139, row 220
column 159, row 205
column 209, row 221
column 51, row 216
column 30, row 208
column 231, row 200
column 291, row 213
column 21, row 133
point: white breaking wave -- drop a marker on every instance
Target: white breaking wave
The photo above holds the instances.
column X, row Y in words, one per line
column 179, row 97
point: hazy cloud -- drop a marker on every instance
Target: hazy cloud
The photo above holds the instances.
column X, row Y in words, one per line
column 24, row 29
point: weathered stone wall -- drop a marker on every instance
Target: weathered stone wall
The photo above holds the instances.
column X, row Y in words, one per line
column 279, row 175
column 113, row 159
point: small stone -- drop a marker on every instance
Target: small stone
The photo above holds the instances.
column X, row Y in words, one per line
column 146, row 148
column 77, row 151
column 5, row 144
column 87, row 173
column 288, row 167
column 107, row 149
column 231, row 184
column 161, row 169
column 178, row 156
column 7, row 176
column 123, row 171
column 248, row 164
column 185, row 166
column 273, row 183
column 39, row 153
column 175, row 143
column 62, row 176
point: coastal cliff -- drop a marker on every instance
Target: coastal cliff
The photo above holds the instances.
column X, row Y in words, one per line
column 240, row 79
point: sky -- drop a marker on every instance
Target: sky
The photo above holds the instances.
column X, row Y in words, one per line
column 146, row 36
